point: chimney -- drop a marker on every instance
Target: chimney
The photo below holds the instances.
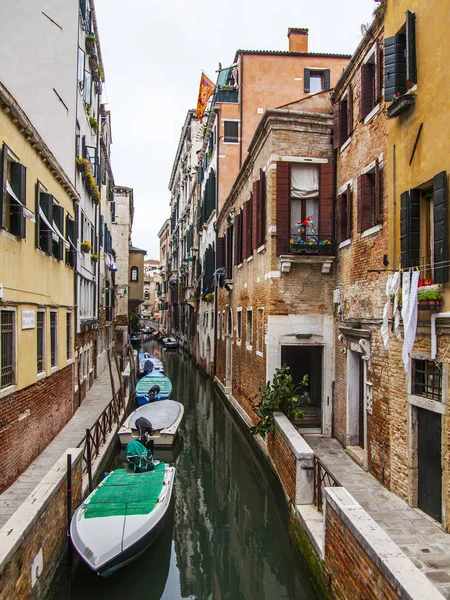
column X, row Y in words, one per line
column 298, row 39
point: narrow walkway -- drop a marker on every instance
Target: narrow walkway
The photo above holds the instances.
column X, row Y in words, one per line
column 97, row 398
column 424, row 542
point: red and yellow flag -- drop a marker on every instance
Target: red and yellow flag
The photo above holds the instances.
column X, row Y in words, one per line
column 204, row 93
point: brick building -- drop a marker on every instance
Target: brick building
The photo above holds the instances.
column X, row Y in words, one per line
column 276, row 303
column 361, row 402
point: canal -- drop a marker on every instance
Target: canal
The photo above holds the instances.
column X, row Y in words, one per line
column 226, row 536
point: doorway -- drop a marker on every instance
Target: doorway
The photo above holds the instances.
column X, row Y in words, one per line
column 307, row 360
column 356, row 400
column 430, row 463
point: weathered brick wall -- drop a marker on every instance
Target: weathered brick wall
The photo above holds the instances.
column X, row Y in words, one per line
column 43, row 409
column 47, row 533
column 284, row 461
column 353, row 573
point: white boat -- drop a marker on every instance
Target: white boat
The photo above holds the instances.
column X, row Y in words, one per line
column 165, row 417
column 122, row 517
column 157, row 364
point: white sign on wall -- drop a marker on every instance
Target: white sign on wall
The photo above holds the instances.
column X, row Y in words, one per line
column 28, row 319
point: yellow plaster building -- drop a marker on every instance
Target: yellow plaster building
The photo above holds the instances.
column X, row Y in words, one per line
column 37, row 259
column 417, row 55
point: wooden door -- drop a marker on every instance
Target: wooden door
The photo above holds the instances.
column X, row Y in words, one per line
column 430, row 463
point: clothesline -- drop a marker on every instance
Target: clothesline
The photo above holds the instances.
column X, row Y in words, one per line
column 442, row 263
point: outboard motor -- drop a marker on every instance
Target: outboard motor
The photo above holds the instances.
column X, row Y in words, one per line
column 153, row 392
column 145, row 430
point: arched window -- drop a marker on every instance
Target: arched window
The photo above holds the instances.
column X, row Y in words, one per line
column 134, row 274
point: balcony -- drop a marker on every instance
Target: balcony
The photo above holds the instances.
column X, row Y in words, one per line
column 228, row 94
column 305, row 248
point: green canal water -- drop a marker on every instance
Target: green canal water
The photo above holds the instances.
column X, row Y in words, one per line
column 226, row 536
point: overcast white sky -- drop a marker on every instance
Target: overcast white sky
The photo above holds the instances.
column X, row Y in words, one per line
column 153, row 54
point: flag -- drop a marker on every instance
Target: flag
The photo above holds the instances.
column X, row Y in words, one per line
column 204, row 93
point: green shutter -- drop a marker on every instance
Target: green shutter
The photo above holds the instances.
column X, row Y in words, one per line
column 410, row 229
column 45, row 233
column 19, row 185
column 306, row 80
column 3, row 187
column 326, row 79
column 58, row 219
column 411, row 67
column 440, row 213
column 394, row 66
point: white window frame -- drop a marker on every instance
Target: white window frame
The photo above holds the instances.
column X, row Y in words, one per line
column 248, row 345
column 239, row 329
column 54, row 367
column 13, row 386
column 43, row 373
column 260, row 331
column 69, row 342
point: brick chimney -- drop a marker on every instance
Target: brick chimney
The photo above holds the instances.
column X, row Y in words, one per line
column 298, row 39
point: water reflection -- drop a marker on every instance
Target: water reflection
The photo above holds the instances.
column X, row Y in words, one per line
column 226, row 536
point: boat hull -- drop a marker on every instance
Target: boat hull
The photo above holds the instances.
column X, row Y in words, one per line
column 167, row 434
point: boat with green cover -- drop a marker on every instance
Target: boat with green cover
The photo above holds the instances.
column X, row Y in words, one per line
column 121, row 518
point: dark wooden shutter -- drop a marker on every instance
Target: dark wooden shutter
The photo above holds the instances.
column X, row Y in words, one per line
column 411, row 66
column 45, row 234
column 349, row 111
column 326, row 79
column 326, row 201
column 102, row 221
column 365, row 220
column 256, row 202
column 377, row 67
column 249, row 243
column 377, row 207
column 3, row 187
column 19, row 186
column 229, row 252
column 341, row 218
column 440, row 214
column 71, row 229
column 58, row 219
column 366, row 91
column 410, row 229
column 306, row 80
column 246, row 229
column 343, row 120
column 237, row 240
column 336, row 125
column 262, row 213
column 394, row 66
column 283, row 204
column 349, row 212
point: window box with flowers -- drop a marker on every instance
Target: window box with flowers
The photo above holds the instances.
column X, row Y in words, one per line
column 86, row 246
column 84, row 167
column 208, row 297
column 430, row 300
column 94, row 257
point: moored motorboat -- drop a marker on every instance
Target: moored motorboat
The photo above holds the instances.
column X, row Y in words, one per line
column 169, row 342
column 156, row 365
column 165, row 418
column 144, row 386
column 122, row 517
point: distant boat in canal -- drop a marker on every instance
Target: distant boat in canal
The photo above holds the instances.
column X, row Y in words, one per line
column 156, row 365
column 169, row 342
column 165, row 418
column 144, row 386
column 122, row 517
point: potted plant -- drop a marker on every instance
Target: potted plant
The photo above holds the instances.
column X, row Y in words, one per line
column 83, row 165
column 280, row 395
column 94, row 257
column 430, row 300
column 93, row 123
column 90, row 44
column 86, row 246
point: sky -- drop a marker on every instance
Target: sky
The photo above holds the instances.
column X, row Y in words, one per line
column 153, row 55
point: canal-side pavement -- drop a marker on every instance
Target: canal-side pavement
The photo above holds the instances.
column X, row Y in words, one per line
column 419, row 537
column 95, row 402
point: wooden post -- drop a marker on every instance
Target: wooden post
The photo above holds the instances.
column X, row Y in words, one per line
column 119, row 373
column 69, row 518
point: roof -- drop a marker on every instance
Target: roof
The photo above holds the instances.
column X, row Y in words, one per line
column 135, row 249
column 287, row 53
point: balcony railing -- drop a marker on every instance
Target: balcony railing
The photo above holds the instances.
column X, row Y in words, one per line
column 306, row 244
column 322, row 478
column 227, row 95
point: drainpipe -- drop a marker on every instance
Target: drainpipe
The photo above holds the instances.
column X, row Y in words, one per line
column 444, row 315
column 241, row 103
column 394, row 191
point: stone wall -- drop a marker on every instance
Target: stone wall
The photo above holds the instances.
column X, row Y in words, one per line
column 32, row 541
column 284, row 461
column 34, row 415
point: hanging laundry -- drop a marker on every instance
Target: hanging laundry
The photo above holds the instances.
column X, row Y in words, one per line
column 396, row 310
column 385, row 323
column 409, row 313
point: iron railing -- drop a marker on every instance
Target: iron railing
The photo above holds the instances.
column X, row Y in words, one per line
column 101, row 428
column 322, row 478
column 297, row 243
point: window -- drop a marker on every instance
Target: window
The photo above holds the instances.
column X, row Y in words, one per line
column 87, row 90
column 249, row 328
column 260, row 330
column 53, row 339
column 71, row 235
column 424, row 229
column 7, row 347
column 316, row 80
column 369, row 198
column 304, row 203
column 77, row 141
column 400, row 69
column 13, row 194
column 134, row 274
column 343, row 119
column 227, row 88
column 81, row 67
column 68, row 335
column 40, row 330
column 231, row 132
column 369, row 83
column 239, row 325
column 427, row 379
column 344, row 215
column 49, row 224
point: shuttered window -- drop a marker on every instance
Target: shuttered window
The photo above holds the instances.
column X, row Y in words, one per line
column 315, row 81
column 229, row 253
column 53, row 339
column 247, row 228
column 238, row 238
column 44, row 217
column 58, row 220
column 370, row 199
column 13, row 194
column 283, row 190
column 326, row 201
column 256, row 208
column 220, row 256
column 410, row 228
column 440, row 216
column 344, row 215
column 40, row 331
column 400, row 67
column 231, row 132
